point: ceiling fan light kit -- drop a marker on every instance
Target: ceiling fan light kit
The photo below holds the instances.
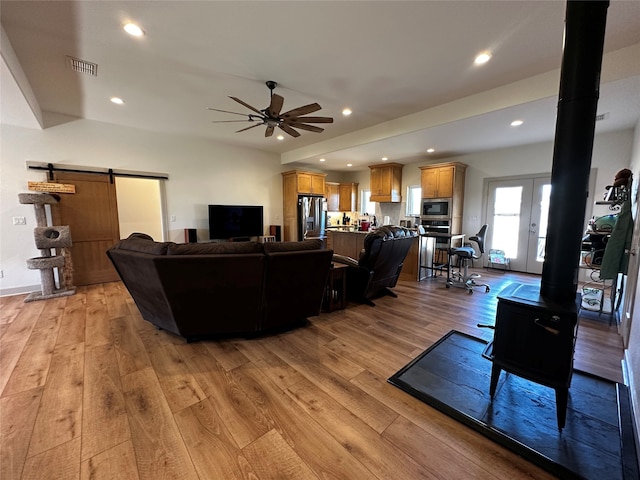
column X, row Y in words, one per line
column 271, row 117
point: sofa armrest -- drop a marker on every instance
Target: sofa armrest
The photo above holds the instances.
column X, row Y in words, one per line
column 345, row 260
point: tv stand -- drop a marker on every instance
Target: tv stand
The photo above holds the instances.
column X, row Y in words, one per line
column 240, row 239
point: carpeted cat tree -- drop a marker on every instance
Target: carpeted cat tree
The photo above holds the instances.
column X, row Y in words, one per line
column 54, row 243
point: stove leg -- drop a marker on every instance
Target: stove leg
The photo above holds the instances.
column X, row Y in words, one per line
column 562, row 397
column 495, row 376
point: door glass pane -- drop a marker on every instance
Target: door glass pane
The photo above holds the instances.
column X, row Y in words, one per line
column 544, row 218
column 506, row 220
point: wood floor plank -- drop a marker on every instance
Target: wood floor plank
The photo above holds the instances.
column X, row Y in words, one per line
column 59, row 418
column 273, row 459
column 118, row 462
column 97, row 323
column 116, row 299
column 59, row 462
column 105, row 423
column 364, row 443
column 178, row 384
column 160, row 451
column 211, row 446
column 33, row 365
column 17, row 418
column 72, row 327
column 131, row 353
column 327, row 457
column 10, row 306
column 15, row 337
column 269, row 364
column 365, row 407
column 243, row 419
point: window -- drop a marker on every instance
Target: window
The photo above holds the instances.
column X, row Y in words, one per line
column 414, row 199
column 368, row 206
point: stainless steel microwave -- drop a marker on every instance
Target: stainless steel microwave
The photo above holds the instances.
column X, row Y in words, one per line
column 436, row 209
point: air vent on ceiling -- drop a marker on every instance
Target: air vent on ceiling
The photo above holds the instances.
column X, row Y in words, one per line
column 602, row 116
column 82, row 66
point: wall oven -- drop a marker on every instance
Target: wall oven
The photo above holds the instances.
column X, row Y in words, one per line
column 436, row 209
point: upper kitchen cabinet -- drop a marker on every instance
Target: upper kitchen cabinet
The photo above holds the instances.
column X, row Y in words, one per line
column 309, row 182
column 443, row 180
column 348, row 197
column 386, row 181
column 332, row 194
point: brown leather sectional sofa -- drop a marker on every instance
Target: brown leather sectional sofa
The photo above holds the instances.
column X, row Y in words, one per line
column 200, row 290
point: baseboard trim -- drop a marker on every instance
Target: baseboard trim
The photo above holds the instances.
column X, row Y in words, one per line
column 634, row 401
column 7, row 292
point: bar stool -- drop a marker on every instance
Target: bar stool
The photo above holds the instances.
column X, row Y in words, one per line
column 462, row 278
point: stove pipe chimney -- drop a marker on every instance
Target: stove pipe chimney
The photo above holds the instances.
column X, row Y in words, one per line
column 575, row 124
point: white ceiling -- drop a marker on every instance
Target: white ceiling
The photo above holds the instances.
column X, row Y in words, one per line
column 405, row 68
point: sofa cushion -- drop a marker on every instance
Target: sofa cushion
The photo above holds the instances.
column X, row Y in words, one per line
column 143, row 243
column 214, row 248
column 272, row 247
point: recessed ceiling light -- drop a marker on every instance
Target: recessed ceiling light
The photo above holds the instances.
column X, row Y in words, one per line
column 384, row 159
column 346, row 112
column 133, row 29
column 117, row 100
column 322, row 160
column 482, row 58
column 349, row 164
column 516, row 123
column 431, row 150
column 280, row 137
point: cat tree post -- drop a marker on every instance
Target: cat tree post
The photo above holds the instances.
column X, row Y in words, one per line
column 48, row 238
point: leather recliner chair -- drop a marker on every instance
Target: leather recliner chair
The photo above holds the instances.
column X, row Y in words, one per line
column 379, row 265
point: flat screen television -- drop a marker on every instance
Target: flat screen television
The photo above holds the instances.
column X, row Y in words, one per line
column 233, row 221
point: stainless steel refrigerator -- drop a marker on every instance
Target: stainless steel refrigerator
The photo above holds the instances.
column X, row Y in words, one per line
column 312, row 216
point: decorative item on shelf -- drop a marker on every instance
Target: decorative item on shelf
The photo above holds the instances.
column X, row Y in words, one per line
column 615, row 195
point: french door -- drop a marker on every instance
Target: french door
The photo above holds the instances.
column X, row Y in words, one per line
column 517, row 214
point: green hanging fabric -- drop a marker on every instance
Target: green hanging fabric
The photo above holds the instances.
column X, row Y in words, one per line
column 616, row 253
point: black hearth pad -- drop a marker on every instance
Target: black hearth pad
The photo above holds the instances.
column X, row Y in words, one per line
column 453, row 376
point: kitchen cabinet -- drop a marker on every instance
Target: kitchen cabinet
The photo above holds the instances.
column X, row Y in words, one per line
column 332, row 194
column 341, row 197
column 294, row 183
column 348, row 197
column 443, row 180
column 386, row 182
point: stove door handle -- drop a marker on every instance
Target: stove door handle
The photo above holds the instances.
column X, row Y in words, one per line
column 548, row 329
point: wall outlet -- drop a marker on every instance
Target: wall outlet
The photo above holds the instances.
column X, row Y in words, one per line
column 19, row 220
column 173, row 218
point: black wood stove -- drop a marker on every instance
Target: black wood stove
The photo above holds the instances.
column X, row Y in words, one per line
column 535, row 329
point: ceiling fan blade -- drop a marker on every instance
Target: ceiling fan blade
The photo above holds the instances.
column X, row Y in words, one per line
column 252, row 126
column 273, row 110
column 246, row 105
column 296, row 112
column 311, row 128
column 289, row 130
column 269, row 131
column 227, row 111
column 231, row 121
column 311, row 119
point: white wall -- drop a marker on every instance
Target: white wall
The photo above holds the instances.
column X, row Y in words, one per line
column 200, row 172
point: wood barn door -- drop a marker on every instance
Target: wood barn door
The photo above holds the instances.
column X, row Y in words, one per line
column 92, row 215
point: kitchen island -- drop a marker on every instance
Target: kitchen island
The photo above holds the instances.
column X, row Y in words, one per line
column 346, row 242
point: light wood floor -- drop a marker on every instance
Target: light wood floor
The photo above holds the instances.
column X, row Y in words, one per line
column 92, row 391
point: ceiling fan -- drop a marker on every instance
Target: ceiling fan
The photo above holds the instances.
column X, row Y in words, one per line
column 272, row 118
